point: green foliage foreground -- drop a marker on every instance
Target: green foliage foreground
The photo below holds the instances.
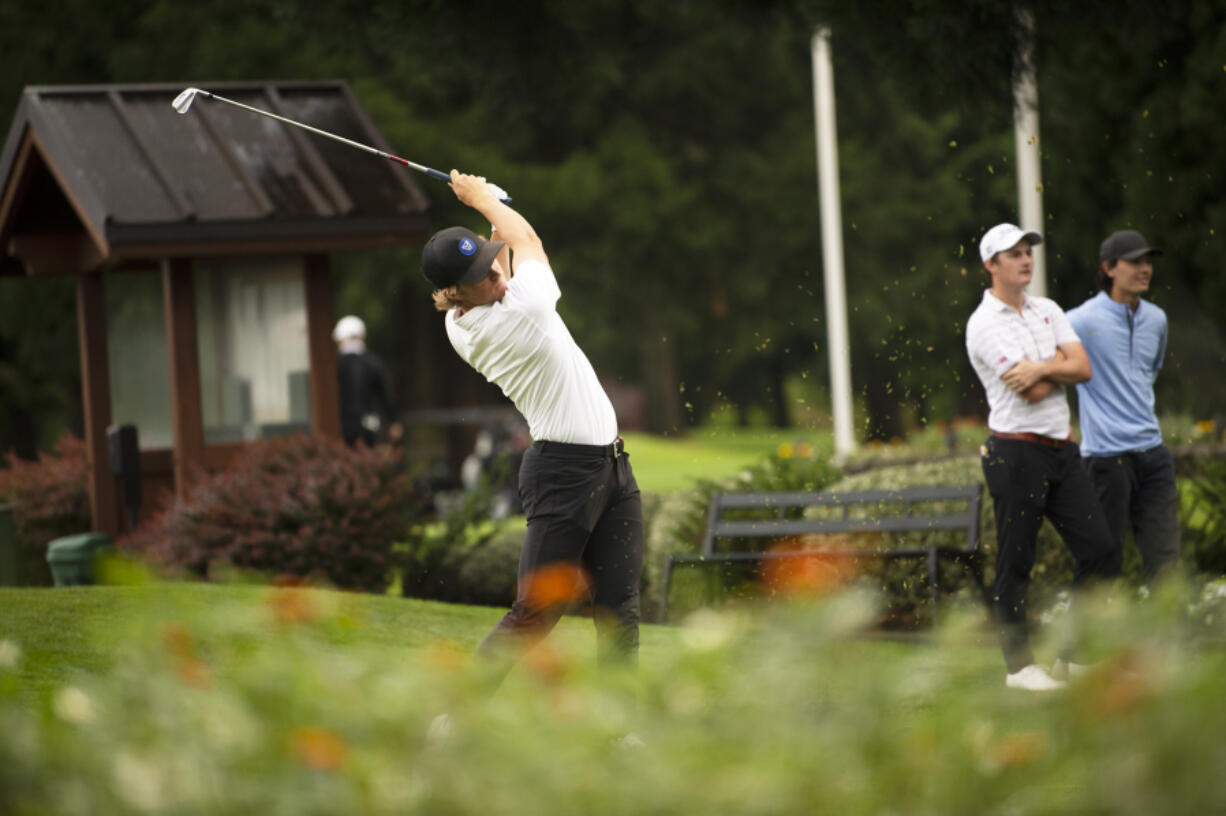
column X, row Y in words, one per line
column 297, row 701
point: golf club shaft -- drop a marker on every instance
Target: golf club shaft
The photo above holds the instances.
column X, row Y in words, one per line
column 421, row 168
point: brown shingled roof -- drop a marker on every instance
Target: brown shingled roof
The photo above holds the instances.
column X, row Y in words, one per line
column 119, row 164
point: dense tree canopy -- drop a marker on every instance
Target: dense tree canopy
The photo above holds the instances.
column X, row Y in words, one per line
column 665, row 153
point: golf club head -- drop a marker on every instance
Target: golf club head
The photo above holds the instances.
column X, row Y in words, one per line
column 184, row 100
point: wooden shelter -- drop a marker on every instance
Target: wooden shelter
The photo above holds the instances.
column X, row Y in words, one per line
column 207, row 234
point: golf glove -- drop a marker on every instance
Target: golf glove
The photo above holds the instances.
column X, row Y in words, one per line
column 498, row 192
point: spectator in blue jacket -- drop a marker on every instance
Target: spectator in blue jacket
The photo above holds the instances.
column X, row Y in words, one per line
column 1125, row 337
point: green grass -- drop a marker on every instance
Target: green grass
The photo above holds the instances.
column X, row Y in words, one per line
column 83, row 630
column 668, row 464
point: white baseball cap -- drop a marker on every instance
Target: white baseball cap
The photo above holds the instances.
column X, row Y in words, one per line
column 1005, row 236
column 349, row 327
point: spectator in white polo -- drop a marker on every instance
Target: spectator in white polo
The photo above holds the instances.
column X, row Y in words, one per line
column 1025, row 353
column 1125, row 337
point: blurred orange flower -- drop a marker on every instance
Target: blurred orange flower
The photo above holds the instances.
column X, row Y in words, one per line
column 177, row 639
column 1014, row 750
column 292, row 605
column 194, row 672
column 1113, row 687
column 807, row 574
column 545, row 662
column 318, row 748
column 555, row 584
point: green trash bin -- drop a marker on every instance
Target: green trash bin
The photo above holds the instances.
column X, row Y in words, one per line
column 71, row 558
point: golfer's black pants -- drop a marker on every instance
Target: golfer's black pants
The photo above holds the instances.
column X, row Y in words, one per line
column 1029, row 481
column 585, row 516
column 1137, row 490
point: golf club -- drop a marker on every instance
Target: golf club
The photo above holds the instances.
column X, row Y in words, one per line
column 184, row 101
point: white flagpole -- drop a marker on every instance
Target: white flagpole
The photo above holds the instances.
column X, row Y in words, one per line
column 838, row 344
column 1026, row 139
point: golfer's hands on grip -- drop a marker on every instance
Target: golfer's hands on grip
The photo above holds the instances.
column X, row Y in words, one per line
column 473, row 189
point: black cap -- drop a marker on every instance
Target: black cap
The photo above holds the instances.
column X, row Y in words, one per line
column 1126, row 244
column 456, row 256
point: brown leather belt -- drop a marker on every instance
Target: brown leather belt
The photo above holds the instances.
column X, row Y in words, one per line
column 1049, row 441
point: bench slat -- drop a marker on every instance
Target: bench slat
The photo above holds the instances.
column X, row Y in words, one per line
column 903, row 552
column 837, row 499
column 768, row 528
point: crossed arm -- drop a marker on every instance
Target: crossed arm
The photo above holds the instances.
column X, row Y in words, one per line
column 1033, row 380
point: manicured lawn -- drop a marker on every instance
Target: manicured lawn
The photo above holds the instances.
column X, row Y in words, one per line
column 66, row 631
column 667, row 464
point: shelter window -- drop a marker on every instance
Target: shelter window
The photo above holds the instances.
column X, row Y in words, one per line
column 254, row 356
column 136, row 356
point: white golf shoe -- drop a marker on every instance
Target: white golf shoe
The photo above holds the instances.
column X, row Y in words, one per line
column 1033, row 678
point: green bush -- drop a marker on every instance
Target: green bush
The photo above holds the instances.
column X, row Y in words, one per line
column 294, row 702
column 462, row 560
column 904, row 583
column 1202, row 514
column 302, row 506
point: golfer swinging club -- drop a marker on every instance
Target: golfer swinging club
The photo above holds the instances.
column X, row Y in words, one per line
column 585, row 515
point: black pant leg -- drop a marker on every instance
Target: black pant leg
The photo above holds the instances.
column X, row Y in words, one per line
column 614, row 560
column 1155, row 511
column 1114, row 485
column 1074, row 509
column 561, row 497
column 1015, row 472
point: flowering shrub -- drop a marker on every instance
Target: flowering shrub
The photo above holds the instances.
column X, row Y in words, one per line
column 50, row 499
column 1202, row 513
column 304, row 506
column 297, row 701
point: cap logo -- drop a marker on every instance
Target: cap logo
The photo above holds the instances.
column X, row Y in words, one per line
column 467, row 246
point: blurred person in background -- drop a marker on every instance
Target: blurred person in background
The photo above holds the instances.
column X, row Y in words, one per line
column 367, row 413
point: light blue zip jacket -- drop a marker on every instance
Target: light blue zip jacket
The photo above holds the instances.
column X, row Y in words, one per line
column 1126, row 349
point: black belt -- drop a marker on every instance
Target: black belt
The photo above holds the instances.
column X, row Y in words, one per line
column 612, row 450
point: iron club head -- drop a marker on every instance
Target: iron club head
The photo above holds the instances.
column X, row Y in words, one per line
column 184, row 100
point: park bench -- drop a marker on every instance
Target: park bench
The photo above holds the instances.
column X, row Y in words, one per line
column 859, row 524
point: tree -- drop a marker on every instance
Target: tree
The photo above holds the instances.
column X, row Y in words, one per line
column 665, row 153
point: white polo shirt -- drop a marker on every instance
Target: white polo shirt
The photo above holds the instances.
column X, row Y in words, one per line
column 998, row 338
column 521, row 344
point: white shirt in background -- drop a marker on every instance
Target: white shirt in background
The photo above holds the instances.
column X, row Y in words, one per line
column 998, row 338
